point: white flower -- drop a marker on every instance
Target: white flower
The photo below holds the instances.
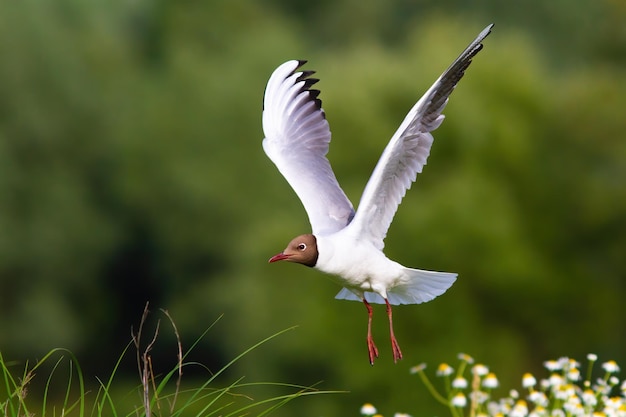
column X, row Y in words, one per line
column 490, row 381
column 589, row 398
column 602, row 387
column 368, row 409
column 538, row 412
column 528, row 380
column 552, row 365
column 494, row 408
column 417, row 368
column 557, row 412
column 506, row 405
column 564, row 361
column 519, row 410
column 570, row 363
column 613, row 405
column 539, row 398
column 480, row 369
column 466, row 358
column 573, row 400
column 574, row 408
column 479, row 397
column 592, row 357
column 563, row 392
column 459, row 382
column 401, row 415
column 610, row 367
column 573, row 374
column 556, row 380
column 444, row 370
column 459, row 400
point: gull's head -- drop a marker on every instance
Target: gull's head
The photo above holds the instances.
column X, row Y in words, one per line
column 302, row 250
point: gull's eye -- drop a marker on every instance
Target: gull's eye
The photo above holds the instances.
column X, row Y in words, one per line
column 301, row 246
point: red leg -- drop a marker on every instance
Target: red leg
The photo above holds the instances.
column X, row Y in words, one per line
column 397, row 354
column 371, row 347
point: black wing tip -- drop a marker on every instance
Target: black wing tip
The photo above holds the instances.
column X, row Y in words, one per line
column 308, row 82
column 306, row 86
column 313, row 96
column 477, row 44
column 305, row 75
column 465, row 59
column 488, row 29
column 450, row 78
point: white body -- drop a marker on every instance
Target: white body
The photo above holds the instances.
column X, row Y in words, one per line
column 366, row 272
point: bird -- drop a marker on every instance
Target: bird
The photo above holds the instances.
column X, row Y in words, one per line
column 345, row 243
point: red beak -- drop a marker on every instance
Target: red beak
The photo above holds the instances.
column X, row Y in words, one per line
column 280, row 257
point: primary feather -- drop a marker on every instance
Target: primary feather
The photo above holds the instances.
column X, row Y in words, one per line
column 296, row 140
column 407, row 152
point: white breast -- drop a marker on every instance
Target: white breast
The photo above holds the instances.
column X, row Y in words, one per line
column 357, row 263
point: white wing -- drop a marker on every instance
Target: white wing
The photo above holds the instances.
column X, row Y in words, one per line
column 406, row 154
column 296, row 140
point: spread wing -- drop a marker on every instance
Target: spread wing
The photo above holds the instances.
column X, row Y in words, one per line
column 407, row 152
column 296, row 140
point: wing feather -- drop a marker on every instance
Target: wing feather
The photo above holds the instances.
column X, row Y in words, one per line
column 297, row 138
column 407, row 152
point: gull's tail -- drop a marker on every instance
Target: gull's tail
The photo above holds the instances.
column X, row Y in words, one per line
column 421, row 286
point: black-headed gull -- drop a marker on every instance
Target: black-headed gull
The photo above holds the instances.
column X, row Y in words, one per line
column 345, row 243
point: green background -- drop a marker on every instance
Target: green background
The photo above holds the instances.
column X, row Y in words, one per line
column 131, row 170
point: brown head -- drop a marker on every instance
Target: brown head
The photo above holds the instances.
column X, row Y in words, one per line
column 302, row 250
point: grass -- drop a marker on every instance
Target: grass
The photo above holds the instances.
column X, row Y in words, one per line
column 64, row 391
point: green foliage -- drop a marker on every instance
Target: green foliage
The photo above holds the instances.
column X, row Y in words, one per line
column 131, row 169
